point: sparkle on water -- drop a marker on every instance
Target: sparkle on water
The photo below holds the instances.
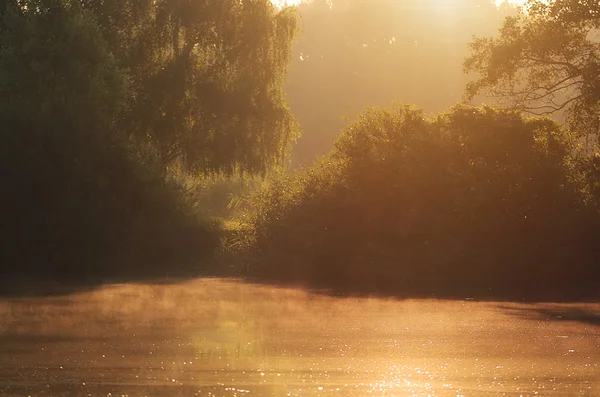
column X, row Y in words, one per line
column 225, row 338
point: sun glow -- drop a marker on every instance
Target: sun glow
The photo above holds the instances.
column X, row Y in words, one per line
column 286, row 3
column 290, row 3
column 513, row 2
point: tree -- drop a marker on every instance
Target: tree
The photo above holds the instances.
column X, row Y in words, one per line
column 60, row 90
column 546, row 60
column 77, row 199
column 98, row 99
column 205, row 79
column 479, row 201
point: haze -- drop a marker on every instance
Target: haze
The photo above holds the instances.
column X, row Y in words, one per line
column 299, row 198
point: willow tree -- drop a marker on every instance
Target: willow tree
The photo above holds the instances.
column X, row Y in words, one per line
column 206, row 79
column 86, row 87
column 546, row 60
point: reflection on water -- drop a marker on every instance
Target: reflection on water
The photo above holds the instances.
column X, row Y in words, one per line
column 224, row 338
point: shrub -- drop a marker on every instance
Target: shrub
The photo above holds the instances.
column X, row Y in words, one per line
column 474, row 201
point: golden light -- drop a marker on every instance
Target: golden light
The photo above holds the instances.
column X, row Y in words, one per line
column 513, row 2
column 289, row 3
column 286, row 3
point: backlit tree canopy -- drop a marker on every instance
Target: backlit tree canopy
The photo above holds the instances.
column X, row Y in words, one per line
column 545, row 60
column 205, row 78
column 100, row 100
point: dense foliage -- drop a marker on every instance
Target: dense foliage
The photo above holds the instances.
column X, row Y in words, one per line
column 205, row 79
column 106, row 106
column 476, row 201
column 110, row 110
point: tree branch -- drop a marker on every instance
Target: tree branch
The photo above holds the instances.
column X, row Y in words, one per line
column 552, row 109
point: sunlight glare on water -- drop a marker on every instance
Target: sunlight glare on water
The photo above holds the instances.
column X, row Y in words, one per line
column 226, row 338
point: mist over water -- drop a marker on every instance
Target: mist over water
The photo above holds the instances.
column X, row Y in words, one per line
column 178, row 139
column 227, row 338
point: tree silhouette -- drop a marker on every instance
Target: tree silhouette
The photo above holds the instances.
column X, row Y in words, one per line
column 544, row 61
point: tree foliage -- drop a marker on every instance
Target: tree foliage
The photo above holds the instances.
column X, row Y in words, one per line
column 100, row 99
column 475, row 201
column 205, row 78
column 545, row 60
column 76, row 201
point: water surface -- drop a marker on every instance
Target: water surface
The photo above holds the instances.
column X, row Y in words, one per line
column 214, row 337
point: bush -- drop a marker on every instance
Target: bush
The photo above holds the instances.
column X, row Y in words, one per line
column 475, row 201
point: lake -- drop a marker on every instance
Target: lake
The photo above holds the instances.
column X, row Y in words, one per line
column 222, row 337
